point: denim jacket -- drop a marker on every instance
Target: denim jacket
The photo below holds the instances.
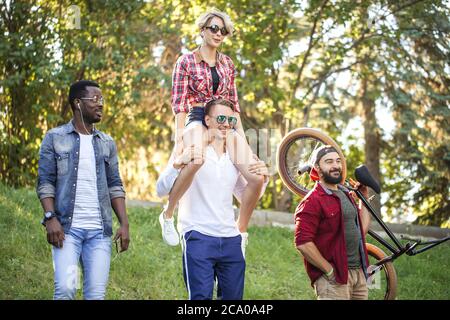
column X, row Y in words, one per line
column 57, row 173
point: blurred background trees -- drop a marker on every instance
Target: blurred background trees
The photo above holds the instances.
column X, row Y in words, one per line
column 372, row 74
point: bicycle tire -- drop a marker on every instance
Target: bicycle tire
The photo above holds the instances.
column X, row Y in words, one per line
column 388, row 276
column 283, row 149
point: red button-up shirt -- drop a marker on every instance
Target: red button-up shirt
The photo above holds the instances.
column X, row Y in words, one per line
column 192, row 83
column 319, row 219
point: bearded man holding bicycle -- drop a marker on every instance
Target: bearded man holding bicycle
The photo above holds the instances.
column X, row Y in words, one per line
column 330, row 232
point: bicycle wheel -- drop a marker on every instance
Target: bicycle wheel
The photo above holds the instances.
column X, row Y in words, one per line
column 382, row 283
column 295, row 152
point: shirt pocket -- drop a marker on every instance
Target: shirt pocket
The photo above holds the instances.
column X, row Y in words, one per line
column 198, row 83
column 331, row 214
column 330, row 211
column 107, row 164
column 191, row 236
column 224, row 84
column 62, row 163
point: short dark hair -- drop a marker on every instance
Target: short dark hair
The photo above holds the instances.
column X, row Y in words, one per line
column 215, row 102
column 320, row 152
column 78, row 90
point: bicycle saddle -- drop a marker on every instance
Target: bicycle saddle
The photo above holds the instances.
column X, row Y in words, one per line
column 363, row 176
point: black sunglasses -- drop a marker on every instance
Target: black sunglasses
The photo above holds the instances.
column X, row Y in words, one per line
column 215, row 28
column 231, row 120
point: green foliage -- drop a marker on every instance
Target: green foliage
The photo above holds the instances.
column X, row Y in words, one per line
column 420, row 104
column 299, row 64
column 152, row 270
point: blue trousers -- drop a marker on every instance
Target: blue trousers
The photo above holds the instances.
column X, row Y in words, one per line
column 206, row 258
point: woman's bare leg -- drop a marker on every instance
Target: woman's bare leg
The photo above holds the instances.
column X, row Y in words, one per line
column 242, row 156
column 196, row 136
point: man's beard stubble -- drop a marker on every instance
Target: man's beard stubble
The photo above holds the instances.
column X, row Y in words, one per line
column 328, row 178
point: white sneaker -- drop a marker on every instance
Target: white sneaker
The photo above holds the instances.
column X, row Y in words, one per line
column 169, row 233
column 244, row 242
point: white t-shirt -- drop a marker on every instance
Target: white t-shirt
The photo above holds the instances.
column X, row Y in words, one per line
column 86, row 213
column 207, row 206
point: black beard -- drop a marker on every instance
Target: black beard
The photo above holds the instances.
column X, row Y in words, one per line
column 330, row 179
column 90, row 120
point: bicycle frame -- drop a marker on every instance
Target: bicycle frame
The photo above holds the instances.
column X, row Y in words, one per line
column 409, row 248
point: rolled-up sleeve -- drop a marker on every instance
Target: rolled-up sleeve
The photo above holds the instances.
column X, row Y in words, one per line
column 46, row 182
column 166, row 181
column 307, row 218
column 180, row 83
column 115, row 185
column 232, row 92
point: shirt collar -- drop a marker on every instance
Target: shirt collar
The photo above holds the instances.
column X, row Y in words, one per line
column 198, row 56
column 71, row 128
column 212, row 154
column 329, row 192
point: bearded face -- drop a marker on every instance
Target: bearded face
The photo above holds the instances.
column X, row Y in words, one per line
column 330, row 168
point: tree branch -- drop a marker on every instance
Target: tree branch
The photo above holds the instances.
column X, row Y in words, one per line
column 406, row 5
column 308, row 51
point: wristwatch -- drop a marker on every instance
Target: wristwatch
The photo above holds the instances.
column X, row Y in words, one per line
column 47, row 216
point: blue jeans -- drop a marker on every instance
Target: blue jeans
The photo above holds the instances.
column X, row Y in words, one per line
column 93, row 250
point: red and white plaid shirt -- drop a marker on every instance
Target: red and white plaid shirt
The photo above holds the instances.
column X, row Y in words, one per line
column 192, row 83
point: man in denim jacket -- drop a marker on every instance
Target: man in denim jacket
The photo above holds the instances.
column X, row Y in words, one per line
column 78, row 185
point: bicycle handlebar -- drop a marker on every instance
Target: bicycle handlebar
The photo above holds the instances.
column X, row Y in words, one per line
column 303, row 169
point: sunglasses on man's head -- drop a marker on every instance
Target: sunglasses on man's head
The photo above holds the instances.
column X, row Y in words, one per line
column 231, row 120
column 95, row 99
column 215, row 28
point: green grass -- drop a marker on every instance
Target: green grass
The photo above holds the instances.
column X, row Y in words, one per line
column 152, row 270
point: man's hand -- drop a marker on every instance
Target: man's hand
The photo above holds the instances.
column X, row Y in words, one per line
column 188, row 155
column 124, row 235
column 55, row 232
column 365, row 218
column 259, row 168
column 362, row 188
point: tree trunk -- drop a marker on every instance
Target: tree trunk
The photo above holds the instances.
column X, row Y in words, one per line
column 282, row 201
column 372, row 139
column 171, row 53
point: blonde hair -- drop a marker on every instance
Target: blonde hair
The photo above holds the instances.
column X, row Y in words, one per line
column 203, row 20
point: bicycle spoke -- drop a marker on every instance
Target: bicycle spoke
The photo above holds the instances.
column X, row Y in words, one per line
column 295, row 152
column 382, row 278
column 298, row 154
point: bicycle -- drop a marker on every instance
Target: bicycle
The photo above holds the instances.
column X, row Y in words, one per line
column 294, row 161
